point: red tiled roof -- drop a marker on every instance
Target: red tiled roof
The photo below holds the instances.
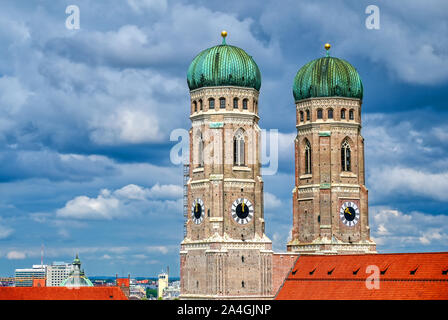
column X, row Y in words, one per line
column 61, row 293
column 123, row 282
column 402, row 276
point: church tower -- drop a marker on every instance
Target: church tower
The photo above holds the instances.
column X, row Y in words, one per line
column 330, row 199
column 225, row 253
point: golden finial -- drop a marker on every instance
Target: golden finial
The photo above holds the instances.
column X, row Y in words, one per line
column 223, row 35
column 327, row 47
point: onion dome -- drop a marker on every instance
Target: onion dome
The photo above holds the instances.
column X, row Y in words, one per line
column 327, row 77
column 223, row 65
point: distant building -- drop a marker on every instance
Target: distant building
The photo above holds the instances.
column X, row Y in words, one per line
column 77, row 277
column 58, row 272
column 163, row 283
column 7, row 281
column 25, row 277
column 172, row 291
column 124, row 284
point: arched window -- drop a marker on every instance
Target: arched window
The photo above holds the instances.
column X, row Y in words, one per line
column 301, row 116
column 345, row 156
column 319, row 113
column 308, row 115
column 238, row 148
column 200, row 105
column 211, row 103
column 330, row 113
column 235, row 103
column 245, row 104
column 222, row 103
column 351, row 115
column 343, row 114
column 307, row 157
column 195, row 105
column 200, row 154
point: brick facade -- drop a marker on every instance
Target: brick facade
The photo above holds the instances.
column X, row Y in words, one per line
column 319, row 194
column 220, row 257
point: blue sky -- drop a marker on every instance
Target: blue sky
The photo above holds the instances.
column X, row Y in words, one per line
column 86, row 115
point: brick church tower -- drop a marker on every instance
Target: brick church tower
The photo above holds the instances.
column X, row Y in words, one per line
column 330, row 199
column 225, row 253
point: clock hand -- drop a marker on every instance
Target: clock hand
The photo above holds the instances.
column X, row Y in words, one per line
column 243, row 205
column 196, row 207
column 347, row 211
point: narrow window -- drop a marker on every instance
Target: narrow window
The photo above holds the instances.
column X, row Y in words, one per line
column 351, row 115
column 222, row 103
column 235, row 103
column 245, row 104
column 330, row 113
column 200, row 150
column 345, row 156
column 211, row 103
column 242, row 259
column 307, row 157
column 238, row 148
column 319, row 113
column 195, row 106
column 242, row 284
column 308, row 115
column 301, row 116
column 343, row 114
column 200, row 105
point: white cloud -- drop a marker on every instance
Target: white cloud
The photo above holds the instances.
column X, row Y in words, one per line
column 141, row 6
column 397, row 180
column 83, row 207
column 161, row 249
column 5, row 231
column 126, row 126
column 15, row 255
column 396, row 231
column 271, row 201
column 127, row 201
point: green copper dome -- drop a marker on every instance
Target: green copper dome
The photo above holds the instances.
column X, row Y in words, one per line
column 327, row 77
column 223, row 65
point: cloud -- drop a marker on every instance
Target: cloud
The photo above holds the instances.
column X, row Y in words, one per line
column 271, row 201
column 141, row 6
column 126, row 126
column 5, row 231
column 15, row 255
column 128, row 201
column 396, row 231
column 46, row 163
column 407, row 44
column 396, row 180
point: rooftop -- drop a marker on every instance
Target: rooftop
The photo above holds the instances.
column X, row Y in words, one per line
column 402, row 276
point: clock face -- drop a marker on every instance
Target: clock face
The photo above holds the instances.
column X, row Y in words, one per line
column 197, row 211
column 349, row 213
column 242, row 211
